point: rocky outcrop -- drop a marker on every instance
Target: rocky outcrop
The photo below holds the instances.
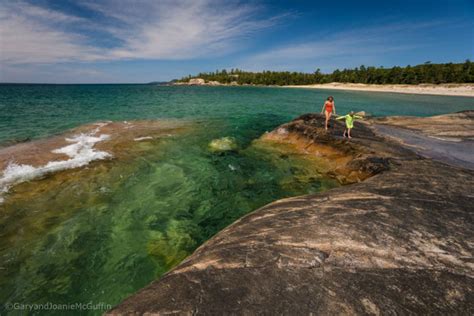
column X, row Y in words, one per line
column 196, row 81
column 398, row 242
column 335, row 156
column 213, row 83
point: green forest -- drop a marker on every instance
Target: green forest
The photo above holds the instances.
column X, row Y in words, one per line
column 424, row 73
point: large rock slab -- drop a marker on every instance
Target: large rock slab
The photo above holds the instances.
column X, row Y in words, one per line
column 399, row 242
column 447, row 138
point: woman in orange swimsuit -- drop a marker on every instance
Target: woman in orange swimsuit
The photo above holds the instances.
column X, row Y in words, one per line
column 328, row 108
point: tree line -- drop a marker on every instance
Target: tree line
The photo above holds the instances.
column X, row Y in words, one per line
column 424, row 73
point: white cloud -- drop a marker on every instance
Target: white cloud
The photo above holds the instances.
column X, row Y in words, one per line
column 29, row 34
column 179, row 30
column 46, row 15
column 358, row 45
column 141, row 30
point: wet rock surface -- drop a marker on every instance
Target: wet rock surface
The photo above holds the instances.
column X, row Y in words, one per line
column 399, row 242
column 447, row 138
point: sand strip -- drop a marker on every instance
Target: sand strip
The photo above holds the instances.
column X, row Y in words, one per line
column 465, row 90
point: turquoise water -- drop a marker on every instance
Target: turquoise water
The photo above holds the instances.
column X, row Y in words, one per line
column 98, row 234
column 35, row 111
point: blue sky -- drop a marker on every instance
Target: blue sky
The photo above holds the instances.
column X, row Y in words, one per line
column 150, row 40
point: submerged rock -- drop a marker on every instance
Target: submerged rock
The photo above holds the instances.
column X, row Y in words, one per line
column 223, row 144
column 399, row 242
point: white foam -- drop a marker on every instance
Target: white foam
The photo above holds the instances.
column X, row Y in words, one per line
column 142, row 138
column 81, row 152
column 99, row 126
column 82, row 145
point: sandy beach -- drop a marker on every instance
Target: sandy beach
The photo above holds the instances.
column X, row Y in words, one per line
column 465, row 90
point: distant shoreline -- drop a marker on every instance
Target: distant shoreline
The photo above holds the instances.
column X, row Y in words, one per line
column 447, row 89
column 450, row 89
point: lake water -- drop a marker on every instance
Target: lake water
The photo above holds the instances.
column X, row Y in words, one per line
column 100, row 231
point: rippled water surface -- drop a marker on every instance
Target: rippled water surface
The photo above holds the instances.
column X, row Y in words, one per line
column 100, row 232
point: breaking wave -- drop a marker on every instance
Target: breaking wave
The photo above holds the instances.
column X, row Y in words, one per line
column 80, row 152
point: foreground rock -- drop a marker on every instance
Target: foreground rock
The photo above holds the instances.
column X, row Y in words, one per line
column 399, row 242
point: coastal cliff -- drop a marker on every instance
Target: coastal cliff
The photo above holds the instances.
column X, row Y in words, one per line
column 396, row 240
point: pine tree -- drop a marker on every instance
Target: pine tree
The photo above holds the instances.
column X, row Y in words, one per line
column 424, row 73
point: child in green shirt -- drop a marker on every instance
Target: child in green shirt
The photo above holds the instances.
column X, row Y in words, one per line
column 349, row 122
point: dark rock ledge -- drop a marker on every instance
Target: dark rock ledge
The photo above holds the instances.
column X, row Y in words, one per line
column 399, row 242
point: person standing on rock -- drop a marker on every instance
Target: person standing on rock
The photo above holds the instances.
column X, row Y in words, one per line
column 327, row 109
column 349, row 122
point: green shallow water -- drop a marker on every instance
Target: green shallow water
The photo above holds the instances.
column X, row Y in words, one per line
column 100, row 233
